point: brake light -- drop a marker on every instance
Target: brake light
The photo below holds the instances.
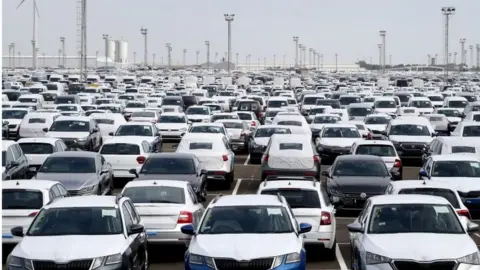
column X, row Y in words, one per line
column 185, row 217
column 140, row 159
column 265, row 158
column 225, row 158
column 33, row 214
column 254, row 124
column 398, row 163
column 316, row 159
column 464, row 212
column 369, row 136
column 325, row 218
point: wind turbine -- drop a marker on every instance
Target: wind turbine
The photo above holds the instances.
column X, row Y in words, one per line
column 34, row 38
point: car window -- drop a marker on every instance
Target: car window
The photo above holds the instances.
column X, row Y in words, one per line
column 131, row 209
column 19, row 199
column 146, row 147
column 297, row 198
column 448, row 194
column 120, row 149
column 16, row 153
column 37, row 148
column 127, row 216
column 164, row 165
column 364, row 168
column 62, row 190
column 156, row 194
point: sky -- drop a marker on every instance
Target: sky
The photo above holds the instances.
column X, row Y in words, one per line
column 349, row 28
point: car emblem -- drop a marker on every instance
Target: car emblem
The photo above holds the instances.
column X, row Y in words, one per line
column 363, row 195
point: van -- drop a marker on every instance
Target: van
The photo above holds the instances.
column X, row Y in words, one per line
column 56, row 86
column 74, row 78
column 55, row 78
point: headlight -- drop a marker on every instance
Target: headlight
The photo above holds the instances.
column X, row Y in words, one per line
column 107, row 260
column 292, row 258
column 373, row 258
column 197, row 259
column 277, row 261
column 473, row 259
column 14, row 261
column 183, row 129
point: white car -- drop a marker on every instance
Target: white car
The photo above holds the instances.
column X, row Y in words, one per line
column 146, row 131
column 198, row 114
column 467, row 129
column 144, row 116
column 172, row 126
column 14, row 117
column 38, row 149
column 70, row 109
column 34, row 123
column 108, row 122
column 336, row 139
column 377, row 123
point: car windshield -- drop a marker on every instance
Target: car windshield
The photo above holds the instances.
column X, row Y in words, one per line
column 385, row 104
column 66, row 108
column 349, row 100
column 164, row 165
column 36, row 148
column 76, row 221
column 471, row 131
column 317, row 111
column 68, row 165
column 277, row 103
column 223, row 116
column 377, row 120
column 326, row 119
column 414, row 218
column 376, row 150
column 404, row 98
column 421, row 104
column 155, row 194
column 297, row 198
column 70, row 126
column 206, row 129
column 135, row 105
column 341, row 132
column 290, row 123
column 457, row 104
column 233, row 125
column 172, row 119
column 214, row 107
column 197, row 110
column 335, row 104
column 409, row 130
column 134, row 130
column 448, row 194
column 268, row 132
column 463, row 149
column 143, row 114
column 13, row 114
column 120, row 149
column 246, row 220
column 311, row 100
column 172, row 101
column 359, row 111
column 457, row 168
column 375, row 168
column 244, row 116
column 200, row 146
column 21, row 199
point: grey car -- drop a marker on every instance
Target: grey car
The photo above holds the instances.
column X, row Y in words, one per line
column 239, row 132
column 352, row 179
column 174, row 166
column 82, row 173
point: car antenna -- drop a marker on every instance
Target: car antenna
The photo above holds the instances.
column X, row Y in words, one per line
column 154, row 182
column 424, row 182
column 18, row 184
column 289, row 183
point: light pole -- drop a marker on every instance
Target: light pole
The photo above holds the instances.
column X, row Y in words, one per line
column 196, row 60
column 449, row 58
column 153, row 60
column 478, row 58
column 299, row 47
column 106, row 38
column 229, row 19
column 208, row 54
column 44, row 60
column 383, row 34
column 96, row 59
column 34, row 56
column 10, row 55
column 304, row 48
column 144, row 32
column 471, row 56
column 310, row 52
column 169, row 51
column 455, row 59
column 379, row 56
column 429, row 60
column 134, row 58
column 59, row 57
column 274, row 60
column 236, row 62
column 321, row 61
column 20, row 63
column 295, row 39
column 13, row 54
column 314, row 59
column 447, row 12
column 184, row 58
column 216, row 57
column 462, row 52
column 336, row 62
column 62, row 41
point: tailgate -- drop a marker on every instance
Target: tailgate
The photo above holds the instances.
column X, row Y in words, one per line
column 122, row 162
column 308, row 215
column 209, row 162
column 292, row 161
column 159, row 216
column 389, row 161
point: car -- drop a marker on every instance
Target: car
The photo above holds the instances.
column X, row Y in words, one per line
column 296, row 120
column 352, row 179
column 37, row 150
column 223, row 116
column 310, row 204
column 144, row 116
column 467, row 129
column 385, row 150
column 14, row 162
column 440, row 124
column 164, row 206
column 34, row 123
column 358, row 111
column 214, row 153
column 108, row 122
column 319, row 121
column 291, row 155
column 14, row 117
column 238, row 131
column 109, row 226
column 147, row 131
column 271, row 113
column 125, row 152
column 380, row 236
column 5, row 130
column 174, row 166
column 250, row 118
column 133, row 106
column 451, row 145
column 377, row 123
column 235, row 222
column 258, row 140
column 317, row 110
column 173, row 125
column 454, row 116
column 70, row 109
column 335, row 140
column 198, row 114
column 209, row 128
column 21, row 201
column 77, row 132
column 81, row 172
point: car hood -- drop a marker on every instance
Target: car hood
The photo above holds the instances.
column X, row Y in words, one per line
column 174, row 126
column 13, row 121
column 428, row 246
column 132, row 110
column 262, row 140
column 405, row 139
column 341, row 142
column 65, row 248
column 77, row 135
column 386, row 110
column 360, row 184
column 462, row 184
column 239, row 246
column 71, row 181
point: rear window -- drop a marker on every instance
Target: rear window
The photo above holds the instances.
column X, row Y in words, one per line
column 297, row 198
column 201, row 145
column 291, row 146
column 476, row 118
column 36, row 148
column 376, row 150
column 120, row 149
column 37, row 121
column 104, row 121
column 143, row 114
column 290, row 123
column 18, row 199
column 444, row 193
column 247, row 116
column 463, row 149
column 160, row 194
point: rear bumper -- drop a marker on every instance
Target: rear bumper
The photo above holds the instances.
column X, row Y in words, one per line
column 123, row 173
column 217, row 175
column 172, row 237
column 323, row 239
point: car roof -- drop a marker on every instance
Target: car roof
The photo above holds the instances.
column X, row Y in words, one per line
column 456, row 157
column 84, row 201
column 153, row 183
column 86, row 154
column 358, row 157
column 247, row 199
column 28, row 184
column 407, row 199
column 171, row 155
column 421, row 184
column 39, row 140
column 73, row 118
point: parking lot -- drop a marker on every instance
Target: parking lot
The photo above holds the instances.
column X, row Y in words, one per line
column 246, row 182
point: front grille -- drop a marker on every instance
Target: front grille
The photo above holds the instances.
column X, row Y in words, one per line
column 12, row 126
column 50, row 265
column 413, row 146
column 255, row 264
column 408, row 265
column 473, row 194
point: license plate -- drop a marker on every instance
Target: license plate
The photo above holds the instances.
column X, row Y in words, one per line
column 474, row 201
column 6, row 235
column 151, row 233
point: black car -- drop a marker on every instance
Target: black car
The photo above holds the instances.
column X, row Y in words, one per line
column 174, row 166
column 189, row 101
column 173, row 101
column 354, row 178
column 14, row 161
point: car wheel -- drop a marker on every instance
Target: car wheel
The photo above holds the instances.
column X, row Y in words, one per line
column 145, row 259
column 330, row 253
column 230, row 176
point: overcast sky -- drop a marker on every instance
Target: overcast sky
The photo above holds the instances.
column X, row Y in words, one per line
column 261, row 28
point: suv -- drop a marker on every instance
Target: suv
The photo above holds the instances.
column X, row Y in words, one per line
column 234, row 222
column 109, row 226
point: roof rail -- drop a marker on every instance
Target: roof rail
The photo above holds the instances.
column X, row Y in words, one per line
column 279, row 197
column 118, row 197
column 216, row 198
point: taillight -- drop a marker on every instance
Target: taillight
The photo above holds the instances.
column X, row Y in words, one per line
column 185, row 217
column 140, row 159
column 369, row 136
column 225, row 158
column 325, row 218
column 254, row 124
column 33, row 214
column 265, row 158
column 464, row 212
column 316, row 159
column 398, row 163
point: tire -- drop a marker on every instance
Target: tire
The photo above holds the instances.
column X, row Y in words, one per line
column 145, row 258
column 330, row 253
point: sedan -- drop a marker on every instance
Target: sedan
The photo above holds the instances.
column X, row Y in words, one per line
column 82, row 173
column 146, row 131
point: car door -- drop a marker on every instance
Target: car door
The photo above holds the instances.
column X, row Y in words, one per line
column 359, row 238
column 198, row 212
column 136, row 241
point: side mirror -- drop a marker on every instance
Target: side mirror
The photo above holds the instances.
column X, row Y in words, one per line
column 17, row 231
column 355, row 228
column 5, row 123
column 305, row 227
column 472, row 227
column 203, row 171
column 435, row 134
column 136, row 228
column 423, row 173
column 95, row 130
column 110, row 134
column 325, row 173
column 13, row 164
column 134, row 172
column 45, row 129
column 188, row 229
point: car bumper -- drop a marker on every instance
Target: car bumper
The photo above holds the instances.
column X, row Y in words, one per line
column 167, row 237
column 238, row 144
column 118, row 266
column 172, row 135
column 348, row 203
column 290, row 266
column 322, row 239
column 387, row 266
column 217, row 175
column 123, row 173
